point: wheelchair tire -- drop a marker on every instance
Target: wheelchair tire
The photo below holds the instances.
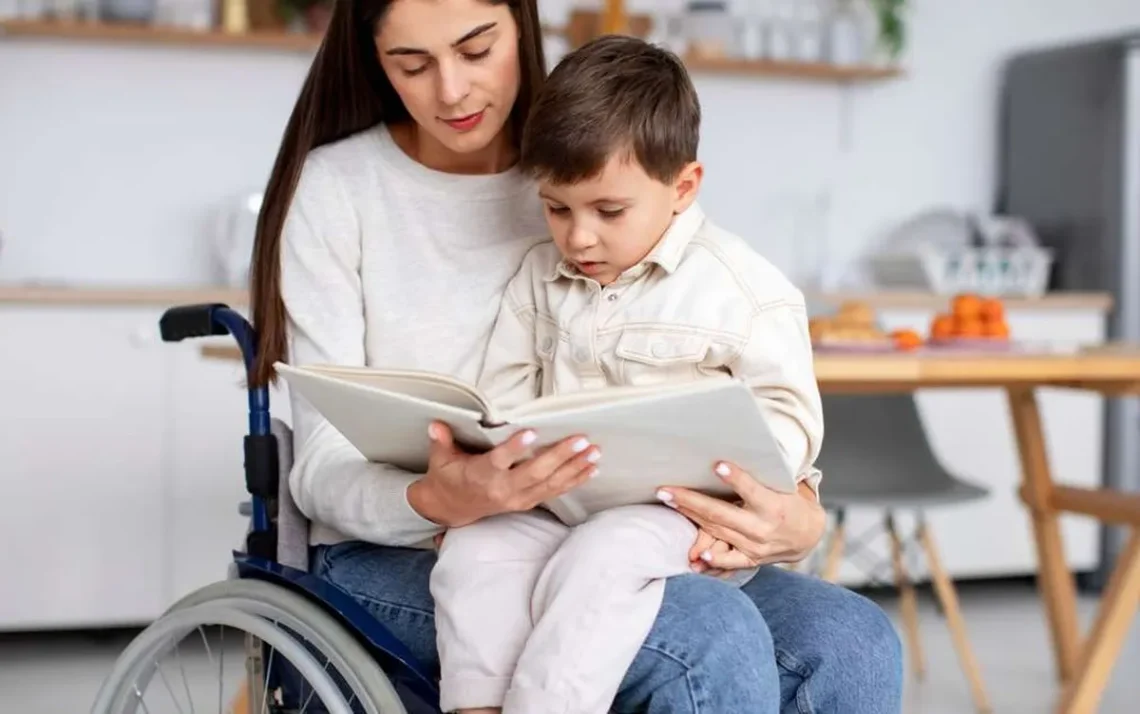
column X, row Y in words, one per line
column 242, row 604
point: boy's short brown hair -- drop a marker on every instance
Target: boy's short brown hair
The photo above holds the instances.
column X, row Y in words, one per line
column 613, row 94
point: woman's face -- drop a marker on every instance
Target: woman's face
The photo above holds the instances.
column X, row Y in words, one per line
column 455, row 65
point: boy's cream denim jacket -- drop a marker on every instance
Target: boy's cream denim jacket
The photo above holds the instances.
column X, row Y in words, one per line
column 701, row 304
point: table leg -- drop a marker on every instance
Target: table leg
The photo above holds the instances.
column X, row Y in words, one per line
column 1113, row 622
column 1055, row 581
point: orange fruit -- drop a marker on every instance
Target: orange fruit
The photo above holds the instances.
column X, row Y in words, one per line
column 998, row 329
column 942, row 328
column 992, row 310
column 906, row 339
column 969, row 327
column 967, row 306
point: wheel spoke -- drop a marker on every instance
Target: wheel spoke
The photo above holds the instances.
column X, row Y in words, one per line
column 265, row 688
column 221, row 667
column 169, row 689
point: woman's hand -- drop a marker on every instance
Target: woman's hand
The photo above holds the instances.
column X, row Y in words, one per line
column 460, row 488
column 766, row 527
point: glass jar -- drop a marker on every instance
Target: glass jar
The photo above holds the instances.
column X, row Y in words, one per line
column 709, row 29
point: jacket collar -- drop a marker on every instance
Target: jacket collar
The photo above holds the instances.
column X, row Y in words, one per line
column 666, row 254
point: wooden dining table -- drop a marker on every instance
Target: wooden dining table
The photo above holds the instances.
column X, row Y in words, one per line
column 1083, row 663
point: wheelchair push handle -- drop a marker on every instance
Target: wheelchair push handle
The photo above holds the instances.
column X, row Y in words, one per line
column 189, row 321
column 210, row 320
column 185, row 322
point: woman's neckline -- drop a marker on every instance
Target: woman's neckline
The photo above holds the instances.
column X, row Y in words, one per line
column 481, row 186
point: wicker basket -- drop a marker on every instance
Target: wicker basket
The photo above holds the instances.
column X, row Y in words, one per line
column 1022, row 271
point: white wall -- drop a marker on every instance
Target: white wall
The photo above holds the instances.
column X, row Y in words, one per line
column 111, row 158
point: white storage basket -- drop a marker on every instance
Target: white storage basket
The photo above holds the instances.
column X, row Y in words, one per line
column 1015, row 271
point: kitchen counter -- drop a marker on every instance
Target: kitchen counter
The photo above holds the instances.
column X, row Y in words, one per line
column 78, row 295
column 1101, row 302
column 111, row 296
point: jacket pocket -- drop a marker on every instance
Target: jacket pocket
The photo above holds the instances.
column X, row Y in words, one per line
column 654, row 356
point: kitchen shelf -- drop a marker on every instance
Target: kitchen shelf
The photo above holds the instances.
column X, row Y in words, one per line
column 792, row 70
column 123, row 33
column 156, row 35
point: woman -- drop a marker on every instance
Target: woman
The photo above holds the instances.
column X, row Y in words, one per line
column 392, row 222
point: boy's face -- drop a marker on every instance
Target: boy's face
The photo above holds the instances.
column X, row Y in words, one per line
column 607, row 224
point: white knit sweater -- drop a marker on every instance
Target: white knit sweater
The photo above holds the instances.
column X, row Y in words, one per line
column 388, row 263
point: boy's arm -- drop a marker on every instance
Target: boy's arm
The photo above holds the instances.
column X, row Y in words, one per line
column 511, row 369
column 777, row 364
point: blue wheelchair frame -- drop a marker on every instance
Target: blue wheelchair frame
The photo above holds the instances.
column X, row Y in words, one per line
column 415, row 684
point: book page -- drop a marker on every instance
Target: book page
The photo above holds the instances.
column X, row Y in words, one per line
column 387, row 426
column 430, row 386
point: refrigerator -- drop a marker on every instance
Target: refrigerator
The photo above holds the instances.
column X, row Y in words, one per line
column 1068, row 160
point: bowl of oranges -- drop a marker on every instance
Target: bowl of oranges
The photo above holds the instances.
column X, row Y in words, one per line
column 973, row 321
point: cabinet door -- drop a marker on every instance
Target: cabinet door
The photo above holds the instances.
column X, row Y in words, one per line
column 209, row 417
column 81, row 434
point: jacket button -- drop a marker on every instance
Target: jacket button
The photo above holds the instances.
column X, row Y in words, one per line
column 547, row 344
column 581, row 354
column 660, row 349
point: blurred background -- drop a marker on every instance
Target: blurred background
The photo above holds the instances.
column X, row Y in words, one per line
column 864, row 146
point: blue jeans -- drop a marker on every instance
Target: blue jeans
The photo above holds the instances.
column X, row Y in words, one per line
column 783, row 643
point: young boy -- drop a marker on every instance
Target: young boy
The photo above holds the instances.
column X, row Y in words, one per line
column 636, row 287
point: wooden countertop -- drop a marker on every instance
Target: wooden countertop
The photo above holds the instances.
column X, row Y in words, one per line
column 1109, row 369
column 110, row 296
column 930, row 301
column 78, row 295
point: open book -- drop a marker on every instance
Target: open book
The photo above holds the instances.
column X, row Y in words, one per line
column 649, row 436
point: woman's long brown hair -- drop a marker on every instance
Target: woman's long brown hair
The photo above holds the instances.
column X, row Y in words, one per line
column 347, row 91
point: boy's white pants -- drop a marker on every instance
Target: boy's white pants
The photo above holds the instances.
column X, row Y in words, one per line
column 535, row 617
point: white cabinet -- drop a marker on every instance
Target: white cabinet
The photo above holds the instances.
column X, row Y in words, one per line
column 81, row 465
column 121, row 464
column 208, row 412
column 970, row 431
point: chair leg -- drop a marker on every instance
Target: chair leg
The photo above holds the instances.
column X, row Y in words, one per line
column 944, row 588
column 835, row 548
column 908, row 602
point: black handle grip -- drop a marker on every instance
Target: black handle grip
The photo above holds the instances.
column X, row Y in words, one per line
column 188, row 321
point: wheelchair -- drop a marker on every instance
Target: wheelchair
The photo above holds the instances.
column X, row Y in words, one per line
column 301, row 644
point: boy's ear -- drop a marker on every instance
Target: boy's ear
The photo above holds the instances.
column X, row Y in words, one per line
column 687, row 186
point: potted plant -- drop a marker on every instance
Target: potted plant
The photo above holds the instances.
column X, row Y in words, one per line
column 892, row 27
column 311, row 15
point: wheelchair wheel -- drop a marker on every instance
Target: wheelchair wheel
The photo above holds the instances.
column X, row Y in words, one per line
column 286, row 655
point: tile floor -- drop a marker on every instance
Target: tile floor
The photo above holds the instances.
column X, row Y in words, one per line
column 54, row 674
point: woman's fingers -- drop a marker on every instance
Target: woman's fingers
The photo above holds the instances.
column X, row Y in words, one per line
column 730, row 559
column 543, row 466
column 703, row 542
column 710, row 513
column 734, row 538
column 511, row 451
column 570, row 475
column 749, row 489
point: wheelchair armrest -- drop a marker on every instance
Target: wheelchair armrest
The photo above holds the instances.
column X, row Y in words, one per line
column 189, row 321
